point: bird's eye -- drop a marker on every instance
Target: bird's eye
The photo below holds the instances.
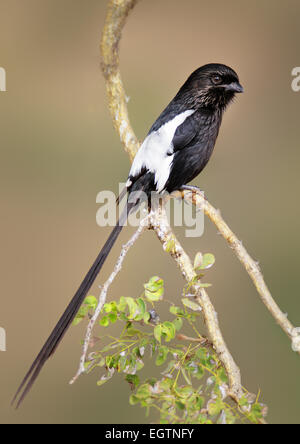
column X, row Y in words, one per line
column 216, row 79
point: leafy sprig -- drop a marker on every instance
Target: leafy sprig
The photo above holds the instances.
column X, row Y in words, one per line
column 192, row 388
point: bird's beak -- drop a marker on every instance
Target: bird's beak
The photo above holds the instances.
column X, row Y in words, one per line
column 235, row 87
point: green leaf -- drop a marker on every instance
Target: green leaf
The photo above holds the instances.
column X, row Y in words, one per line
column 154, row 283
column 83, row 311
column 113, row 317
column 133, row 400
column 132, row 365
column 110, row 307
column 123, row 317
column 136, row 352
column 199, row 373
column 180, row 405
column 142, row 305
column 201, row 354
column 202, row 419
column 147, row 317
column 154, row 296
column 122, row 363
column 134, row 380
column 133, row 307
column 190, row 304
column 222, row 375
column 101, row 363
column 122, row 304
column 101, row 382
column 256, row 412
column 178, row 324
column 243, row 402
column 166, row 384
column 139, row 364
column 141, row 309
column 158, row 332
column 77, row 320
column 105, row 377
column 185, row 392
column 109, row 361
column 151, row 381
column 199, row 402
column 198, row 261
column 168, row 330
column 104, row 322
column 215, row 407
column 208, row 261
column 107, row 308
column 204, row 262
column 154, row 289
column 143, row 344
column 144, row 391
column 163, row 352
column 91, row 302
column 177, row 311
column 230, row 418
column 131, row 331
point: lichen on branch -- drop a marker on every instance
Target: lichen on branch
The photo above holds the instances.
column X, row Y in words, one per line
column 118, row 11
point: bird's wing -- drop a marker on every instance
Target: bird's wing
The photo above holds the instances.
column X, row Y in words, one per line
column 193, row 143
column 185, row 133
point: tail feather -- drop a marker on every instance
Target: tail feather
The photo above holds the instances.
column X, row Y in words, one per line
column 67, row 318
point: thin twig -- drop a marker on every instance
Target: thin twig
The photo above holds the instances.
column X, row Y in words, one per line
column 103, row 294
column 182, row 337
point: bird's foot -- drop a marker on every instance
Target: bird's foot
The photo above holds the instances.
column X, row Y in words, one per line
column 193, row 189
column 190, row 188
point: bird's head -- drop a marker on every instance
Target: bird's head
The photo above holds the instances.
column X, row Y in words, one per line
column 213, row 86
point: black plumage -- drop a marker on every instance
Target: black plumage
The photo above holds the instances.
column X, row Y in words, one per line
column 193, row 142
column 176, row 149
column 206, row 93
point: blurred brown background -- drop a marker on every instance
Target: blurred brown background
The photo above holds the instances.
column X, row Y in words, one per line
column 58, row 150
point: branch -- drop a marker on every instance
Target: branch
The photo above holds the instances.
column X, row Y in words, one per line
column 160, row 224
column 251, row 266
column 102, row 299
column 118, row 11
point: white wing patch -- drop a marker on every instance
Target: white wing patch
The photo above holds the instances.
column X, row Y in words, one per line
column 156, row 151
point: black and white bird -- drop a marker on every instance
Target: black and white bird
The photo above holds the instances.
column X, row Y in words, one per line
column 176, row 149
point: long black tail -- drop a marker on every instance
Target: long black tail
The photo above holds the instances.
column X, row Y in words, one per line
column 71, row 311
